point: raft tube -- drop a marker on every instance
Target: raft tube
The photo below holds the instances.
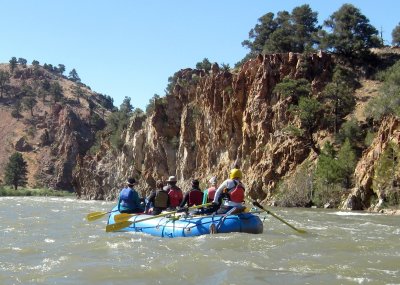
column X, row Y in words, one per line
column 190, row 226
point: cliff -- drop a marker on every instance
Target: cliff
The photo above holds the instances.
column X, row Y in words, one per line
column 208, row 122
column 54, row 132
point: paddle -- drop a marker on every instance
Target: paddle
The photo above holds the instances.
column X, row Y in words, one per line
column 96, row 215
column 255, row 203
column 125, row 224
column 124, row 217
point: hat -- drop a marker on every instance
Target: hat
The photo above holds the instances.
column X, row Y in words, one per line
column 131, row 181
column 171, row 179
column 213, row 180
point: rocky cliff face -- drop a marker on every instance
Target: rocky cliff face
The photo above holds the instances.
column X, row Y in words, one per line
column 363, row 196
column 52, row 135
column 207, row 123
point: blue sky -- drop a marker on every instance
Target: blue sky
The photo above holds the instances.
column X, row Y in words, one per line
column 130, row 47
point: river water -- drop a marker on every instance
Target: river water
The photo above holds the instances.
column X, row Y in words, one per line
column 48, row 241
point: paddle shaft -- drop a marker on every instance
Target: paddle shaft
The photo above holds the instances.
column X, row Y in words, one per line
column 277, row 217
column 125, row 224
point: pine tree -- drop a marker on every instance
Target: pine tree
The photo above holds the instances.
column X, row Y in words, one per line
column 16, row 171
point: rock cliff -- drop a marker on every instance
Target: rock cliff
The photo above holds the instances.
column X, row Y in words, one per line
column 208, row 122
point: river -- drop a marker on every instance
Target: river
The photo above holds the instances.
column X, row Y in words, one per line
column 48, row 241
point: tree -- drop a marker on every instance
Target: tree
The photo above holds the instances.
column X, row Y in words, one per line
column 351, row 34
column 16, row 171
column 126, row 106
column 261, row 33
column 13, row 64
column 4, row 80
column 338, row 97
column 309, row 114
column 205, row 64
column 22, row 62
column 386, row 174
column 304, row 26
column 61, row 69
column 288, row 32
column 388, row 101
column 16, row 112
column 35, row 63
column 346, row 162
column 73, row 76
column 29, row 102
column 396, row 36
column 56, row 91
column 294, row 88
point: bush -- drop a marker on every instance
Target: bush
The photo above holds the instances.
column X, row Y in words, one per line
column 296, row 190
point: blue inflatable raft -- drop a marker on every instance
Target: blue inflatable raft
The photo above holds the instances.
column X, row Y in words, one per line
column 190, row 226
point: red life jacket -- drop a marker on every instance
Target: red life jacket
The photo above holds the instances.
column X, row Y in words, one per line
column 236, row 194
column 211, row 193
column 175, row 196
column 195, row 197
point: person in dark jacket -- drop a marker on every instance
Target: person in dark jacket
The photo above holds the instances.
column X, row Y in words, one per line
column 159, row 198
column 129, row 201
column 194, row 196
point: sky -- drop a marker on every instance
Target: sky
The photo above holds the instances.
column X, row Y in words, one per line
column 130, row 47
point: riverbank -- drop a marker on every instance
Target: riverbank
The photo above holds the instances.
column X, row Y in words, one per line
column 11, row 192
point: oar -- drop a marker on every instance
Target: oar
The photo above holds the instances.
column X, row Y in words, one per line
column 125, row 224
column 96, row 215
column 124, row 217
column 255, row 203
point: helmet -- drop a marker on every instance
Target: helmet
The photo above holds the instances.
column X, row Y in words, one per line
column 171, row 179
column 131, row 181
column 235, row 173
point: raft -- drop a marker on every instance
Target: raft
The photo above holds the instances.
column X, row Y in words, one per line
column 191, row 226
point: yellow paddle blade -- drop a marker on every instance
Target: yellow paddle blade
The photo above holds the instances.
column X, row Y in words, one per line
column 95, row 215
column 118, row 226
column 123, row 217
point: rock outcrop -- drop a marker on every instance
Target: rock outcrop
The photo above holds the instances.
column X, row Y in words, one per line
column 207, row 123
column 363, row 195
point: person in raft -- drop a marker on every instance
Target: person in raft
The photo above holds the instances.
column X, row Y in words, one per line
column 159, row 199
column 194, row 196
column 209, row 193
column 129, row 201
column 174, row 192
column 232, row 193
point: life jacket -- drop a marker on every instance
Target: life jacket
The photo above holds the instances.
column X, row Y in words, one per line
column 195, row 197
column 236, row 193
column 211, row 193
column 161, row 199
column 175, row 196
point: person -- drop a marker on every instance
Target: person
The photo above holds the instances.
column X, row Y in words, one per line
column 174, row 192
column 159, row 199
column 194, row 196
column 230, row 194
column 129, row 201
column 208, row 194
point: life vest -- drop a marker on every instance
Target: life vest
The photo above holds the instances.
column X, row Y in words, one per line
column 161, row 199
column 195, row 197
column 175, row 196
column 236, row 193
column 211, row 193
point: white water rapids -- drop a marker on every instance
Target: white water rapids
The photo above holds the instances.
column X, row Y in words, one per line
column 48, row 241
